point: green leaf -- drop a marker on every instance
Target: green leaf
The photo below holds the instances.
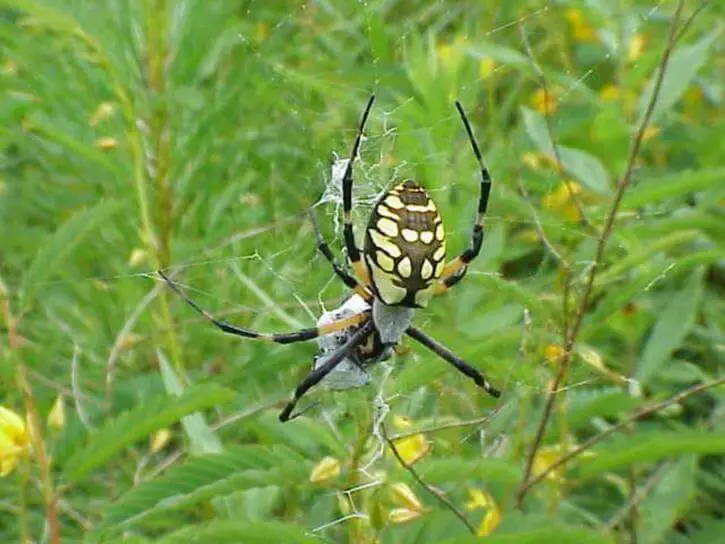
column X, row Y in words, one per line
column 586, row 168
column 667, row 501
column 202, row 439
column 653, row 190
column 205, row 477
column 465, row 470
column 651, row 446
column 133, row 425
column 683, row 67
column 561, row 534
column 235, row 532
column 671, row 328
column 60, row 246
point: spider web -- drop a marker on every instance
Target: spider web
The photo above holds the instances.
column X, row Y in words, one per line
column 371, row 180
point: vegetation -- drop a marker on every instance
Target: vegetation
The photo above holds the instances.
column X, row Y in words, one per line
column 193, row 136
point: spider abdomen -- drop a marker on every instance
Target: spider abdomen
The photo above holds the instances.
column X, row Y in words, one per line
column 405, row 246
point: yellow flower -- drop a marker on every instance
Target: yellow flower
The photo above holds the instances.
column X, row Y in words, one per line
column 412, row 448
column 553, row 353
column 650, row 132
column 580, row 29
column 532, row 160
column 402, row 515
column 491, row 518
column 103, row 112
column 544, row 101
column 14, row 440
column 56, row 416
column 106, row 143
column 609, row 93
column 326, row 469
column 560, row 201
column 636, row 46
column 485, row 67
column 402, row 495
column 450, row 55
column 159, row 440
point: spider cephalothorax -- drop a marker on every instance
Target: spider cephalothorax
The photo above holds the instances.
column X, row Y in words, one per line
column 404, row 266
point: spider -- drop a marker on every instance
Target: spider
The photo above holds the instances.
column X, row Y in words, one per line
column 401, row 266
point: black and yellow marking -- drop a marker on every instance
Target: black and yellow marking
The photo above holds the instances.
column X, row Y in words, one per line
column 404, row 246
column 284, row 338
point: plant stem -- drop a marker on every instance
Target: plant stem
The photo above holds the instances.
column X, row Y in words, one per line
column 606, row 232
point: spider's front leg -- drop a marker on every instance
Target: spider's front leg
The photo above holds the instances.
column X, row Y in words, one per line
column 353, row 252
column 341, row 273
column 301, row 335
column 455, row 270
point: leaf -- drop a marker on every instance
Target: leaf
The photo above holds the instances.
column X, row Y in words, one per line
column 201, row 438
column 559, row 533
column 584, row 167
column 136, row 424
column 50, row 257
column 651, row 446
column 653, row 190
column 681, row 71
column 669, row 499
column 465, row 470
column 671, row 328
column 235, row 532
column 205, row 477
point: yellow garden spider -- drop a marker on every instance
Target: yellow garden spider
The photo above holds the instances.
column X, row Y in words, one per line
column 404, row 266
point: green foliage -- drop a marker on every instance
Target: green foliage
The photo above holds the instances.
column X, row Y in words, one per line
column 131, row 426
column 194, row 135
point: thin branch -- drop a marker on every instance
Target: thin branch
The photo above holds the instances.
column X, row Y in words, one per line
column 622, row 186
column 437, row 494
column 638, row 495
column 584, row 446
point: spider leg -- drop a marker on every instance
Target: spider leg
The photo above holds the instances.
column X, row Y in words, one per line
column 448, row 356
column 461, row 262
column 314, row 377
column 352, row 250
column 284, row 338
column 347, row 278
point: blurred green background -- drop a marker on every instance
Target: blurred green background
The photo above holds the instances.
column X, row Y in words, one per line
column 193, row 136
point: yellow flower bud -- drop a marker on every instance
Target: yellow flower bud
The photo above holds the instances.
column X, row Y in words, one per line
column 326, row 469
column 56, row 416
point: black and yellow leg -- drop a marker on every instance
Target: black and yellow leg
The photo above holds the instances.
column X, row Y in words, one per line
column 448, row 356
column 453, row 267
column 347, row 278
column 284, row 338
column 352, row 250
column 447, row 282
column 317, row 375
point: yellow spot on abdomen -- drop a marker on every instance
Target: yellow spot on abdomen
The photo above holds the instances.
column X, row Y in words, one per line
column 394, row 202
column 426, row 236
column 426, row 270
column 440, row 234
column 405, row 267
column 385, row 262
column 387, row 227
column 381, row 242
column 410, row 235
